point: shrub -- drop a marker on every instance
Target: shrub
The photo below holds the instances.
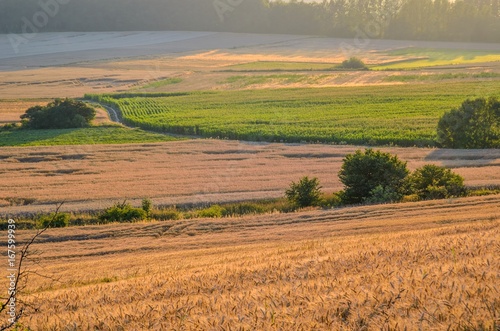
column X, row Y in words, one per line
column 306, row 192
column 166, row 214
column 123, row 212
column 372, row 175
column 147, row 206
column 59, row 220
column 353, row 63
column 434, row 182
column 475, row 124
column 244, row 208
column 331, row 201
column 59, row 114
column 214, row 211
column 411, row 198
column 383, row 194
column 9, row 127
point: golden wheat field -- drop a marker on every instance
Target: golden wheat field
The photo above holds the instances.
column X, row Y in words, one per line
column 194, row 171
column 415, row 266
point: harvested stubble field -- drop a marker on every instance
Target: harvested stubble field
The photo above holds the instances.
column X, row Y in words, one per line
column 416, row 266
column 195, row 171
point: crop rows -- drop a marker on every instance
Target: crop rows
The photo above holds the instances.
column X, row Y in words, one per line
column 403, row 115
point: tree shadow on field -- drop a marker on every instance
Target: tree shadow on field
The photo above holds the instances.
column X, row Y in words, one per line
column 454, row 158
column 23, row 137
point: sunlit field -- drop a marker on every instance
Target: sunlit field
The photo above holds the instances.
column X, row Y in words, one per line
column 404, row 115
column 216, row 119
column 280, row 66
column 429, row 265
column 417, row 58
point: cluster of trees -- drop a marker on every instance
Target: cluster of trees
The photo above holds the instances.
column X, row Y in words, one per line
column 375, row 177
column 463, row 20
column 59, row 114
column 475, row 124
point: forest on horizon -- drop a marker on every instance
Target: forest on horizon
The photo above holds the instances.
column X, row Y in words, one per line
column 436, row 20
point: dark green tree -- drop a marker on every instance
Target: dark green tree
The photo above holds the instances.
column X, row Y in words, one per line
column 475, row 124
column 369, row 175
column 59, row 114
column 305, row 193
column 434, row 182
column 353, row 63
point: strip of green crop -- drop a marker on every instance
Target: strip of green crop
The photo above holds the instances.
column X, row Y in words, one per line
column 83, row 136
column 404, row 115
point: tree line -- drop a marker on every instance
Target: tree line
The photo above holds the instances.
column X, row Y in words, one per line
column 459, row 20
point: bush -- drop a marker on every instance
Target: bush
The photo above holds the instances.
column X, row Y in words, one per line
column 53, row 220
column 166, row 214
column 307, row 192
column 214, row 211
column 353, row 63
column 372, row 176
column 123, row 212
column 383, row 194
column 331, row 201
column 434, row 182
column 59, row 114
column 9, row 127
column 244, row 208
column 475, row 124
column 147, row 206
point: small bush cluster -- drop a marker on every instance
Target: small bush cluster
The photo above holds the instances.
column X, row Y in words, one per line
column 377, row 177
column 434, row 182
column 59, row 220
column 123, row 212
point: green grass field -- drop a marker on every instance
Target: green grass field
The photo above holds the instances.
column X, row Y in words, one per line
column 85, row 136
column 404, row 115
column 427, row 57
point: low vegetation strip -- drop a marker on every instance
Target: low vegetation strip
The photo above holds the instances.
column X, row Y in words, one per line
column 405, row 115
column 81, row 136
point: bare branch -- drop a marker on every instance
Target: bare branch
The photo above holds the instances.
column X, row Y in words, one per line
column 22, row 274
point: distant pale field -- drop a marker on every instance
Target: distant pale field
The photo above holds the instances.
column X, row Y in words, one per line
column 428, row 265
column 72, row 64
column 424, row 57
column 196, row 171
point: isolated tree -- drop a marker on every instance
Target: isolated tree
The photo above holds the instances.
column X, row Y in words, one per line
column 353, row 63
column 435, row 182
column 372, row 174
column 475, row 124
column 305, row 193
column 59, row 114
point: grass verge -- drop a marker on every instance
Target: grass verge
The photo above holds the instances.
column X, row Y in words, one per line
column 109, row 134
